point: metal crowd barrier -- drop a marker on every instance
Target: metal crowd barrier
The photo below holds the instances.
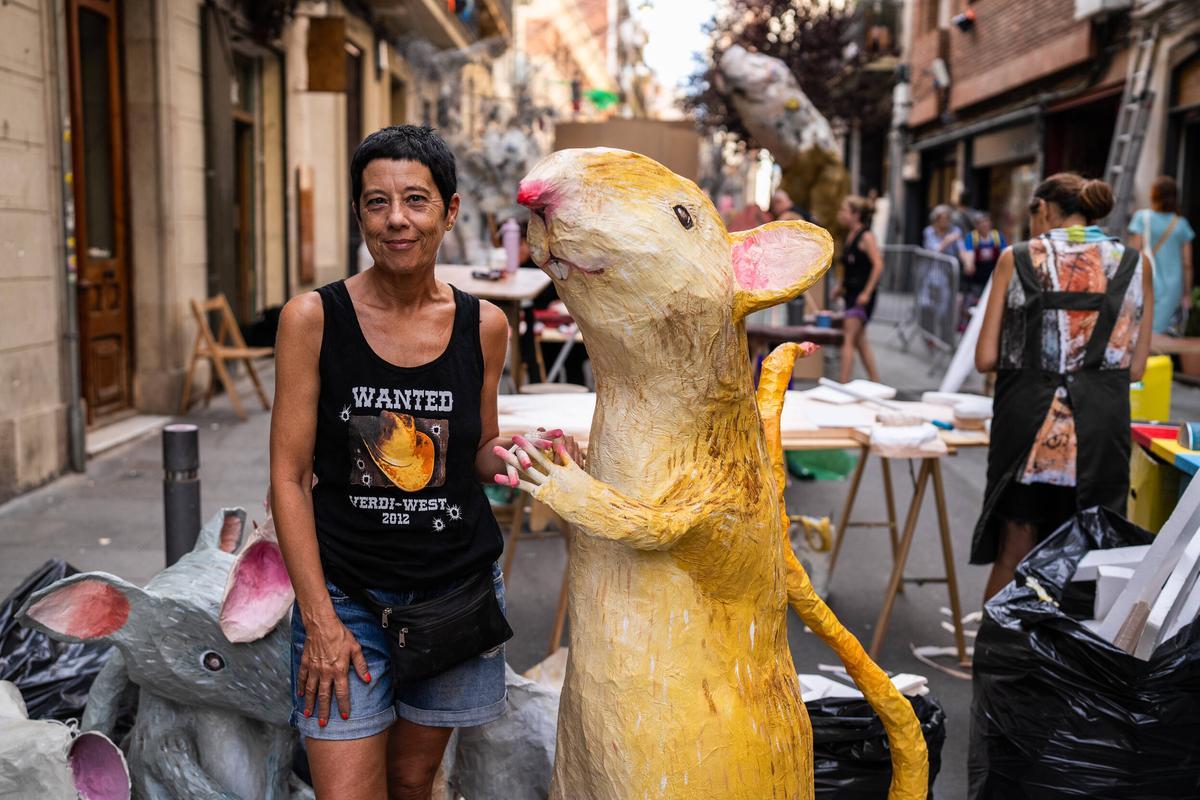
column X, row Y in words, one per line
column 918, row 294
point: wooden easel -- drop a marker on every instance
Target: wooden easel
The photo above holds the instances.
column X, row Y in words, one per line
column 930, row 469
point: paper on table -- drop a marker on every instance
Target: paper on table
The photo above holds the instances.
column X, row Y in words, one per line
column 800, row 413
column 827, row 395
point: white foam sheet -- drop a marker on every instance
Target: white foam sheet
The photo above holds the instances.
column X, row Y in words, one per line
column 1110, row 581
column 1187, row 614
column 1171, row 598
column 1157, row 564
column 1085, row 570
column 825, row 394
column 818, row 687
column 963, row 363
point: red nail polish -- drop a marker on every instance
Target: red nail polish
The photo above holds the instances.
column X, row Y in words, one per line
column 322, row 722
column 307, row 713
column 368, row 677
column 345, row 715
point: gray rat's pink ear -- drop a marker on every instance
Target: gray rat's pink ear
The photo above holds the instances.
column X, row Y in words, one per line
column 775, row 262
column 89, row 607
column 258, row 593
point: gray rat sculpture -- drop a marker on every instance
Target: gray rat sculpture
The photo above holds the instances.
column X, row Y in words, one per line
column 213, row 716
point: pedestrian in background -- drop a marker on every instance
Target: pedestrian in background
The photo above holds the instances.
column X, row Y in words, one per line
column 783, row 208
column 1067, row 327
column 980, row 251
column 941, row 235
column 862, row 266
column 1166, row 237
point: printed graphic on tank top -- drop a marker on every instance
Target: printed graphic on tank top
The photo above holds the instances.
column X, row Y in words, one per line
column 396, row 501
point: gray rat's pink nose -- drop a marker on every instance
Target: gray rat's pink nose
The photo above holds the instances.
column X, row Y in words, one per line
column 536, row 195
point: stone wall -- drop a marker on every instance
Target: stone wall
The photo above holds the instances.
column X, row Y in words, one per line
column 32, row 268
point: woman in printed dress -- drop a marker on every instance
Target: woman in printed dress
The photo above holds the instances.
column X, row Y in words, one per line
column 1067, row 327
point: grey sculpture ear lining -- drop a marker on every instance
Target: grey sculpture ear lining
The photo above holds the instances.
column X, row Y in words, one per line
column 223, row 531
column 89, row 607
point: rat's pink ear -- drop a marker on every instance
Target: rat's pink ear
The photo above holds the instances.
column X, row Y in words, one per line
column 93, row 606
column 258, row 593
column 777, row 261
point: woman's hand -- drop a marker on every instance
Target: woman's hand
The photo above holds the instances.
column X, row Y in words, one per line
column 516, row 460
column 329, row 652
column 864, row 297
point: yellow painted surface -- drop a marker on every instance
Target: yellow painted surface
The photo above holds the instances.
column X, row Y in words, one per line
column 680, row 683
column 1150, row 398
column 1167, row 449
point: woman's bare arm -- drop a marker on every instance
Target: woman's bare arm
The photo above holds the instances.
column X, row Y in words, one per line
column 1185, row 261
column 329, row 649
column 987, row 349
column 872, row 248
column 293, row 437
column 493, row 338
column 1141, row 351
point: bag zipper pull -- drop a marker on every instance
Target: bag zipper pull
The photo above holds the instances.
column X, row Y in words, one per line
column 386, row 613
column 402, row 632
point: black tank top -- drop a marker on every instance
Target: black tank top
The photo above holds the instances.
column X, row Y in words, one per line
column 856, row 264
column 397, row 504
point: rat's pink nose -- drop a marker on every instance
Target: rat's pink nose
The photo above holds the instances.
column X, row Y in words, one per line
column 535, row 195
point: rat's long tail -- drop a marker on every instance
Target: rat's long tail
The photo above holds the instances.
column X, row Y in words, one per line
column 910, row 759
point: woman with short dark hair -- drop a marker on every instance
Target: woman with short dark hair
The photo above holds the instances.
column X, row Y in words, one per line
column 1067, row 327
column 385, row 423
column 1160, row 231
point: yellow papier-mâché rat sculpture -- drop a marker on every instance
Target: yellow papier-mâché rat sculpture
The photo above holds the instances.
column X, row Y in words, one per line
column 679, row 681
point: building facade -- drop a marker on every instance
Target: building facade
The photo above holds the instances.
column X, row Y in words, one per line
column 1007, row 92
column 156, row 152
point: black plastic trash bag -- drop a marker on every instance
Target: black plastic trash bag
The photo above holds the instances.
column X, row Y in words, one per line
column 851, row 759
column 1059, row 712
column 54, row 677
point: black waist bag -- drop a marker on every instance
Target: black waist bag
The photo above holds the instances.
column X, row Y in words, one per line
column 429, row 637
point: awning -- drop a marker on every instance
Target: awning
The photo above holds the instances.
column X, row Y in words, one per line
column 980, row 126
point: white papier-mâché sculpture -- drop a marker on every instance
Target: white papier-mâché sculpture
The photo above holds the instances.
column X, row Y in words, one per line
column 49, row 760
column 782, row 119
column 206, row 642
column 679, row 682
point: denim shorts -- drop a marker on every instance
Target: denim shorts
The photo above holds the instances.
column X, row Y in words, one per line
column 467, row 694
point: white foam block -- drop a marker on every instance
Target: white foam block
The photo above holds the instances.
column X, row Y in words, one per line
column 1110, row 582
column 1152, row 573
column 876, row 391
column 1172, row 596
column 1113, row 557
column 1187, row 613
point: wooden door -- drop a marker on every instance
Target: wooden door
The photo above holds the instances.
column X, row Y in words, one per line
column 98, row 150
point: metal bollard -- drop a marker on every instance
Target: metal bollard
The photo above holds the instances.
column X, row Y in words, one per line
column 181, row 489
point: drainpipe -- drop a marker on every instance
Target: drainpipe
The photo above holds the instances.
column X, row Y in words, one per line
column 76, row 429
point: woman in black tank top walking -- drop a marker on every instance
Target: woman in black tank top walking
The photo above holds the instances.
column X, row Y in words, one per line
column 384, row 423
column 862, row 265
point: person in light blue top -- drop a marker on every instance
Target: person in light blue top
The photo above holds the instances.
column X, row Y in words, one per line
column 1167, row 236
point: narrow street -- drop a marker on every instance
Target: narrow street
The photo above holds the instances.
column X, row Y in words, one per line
column 110, row 519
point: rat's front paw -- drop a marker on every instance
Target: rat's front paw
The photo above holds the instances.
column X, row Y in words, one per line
column 550, row 480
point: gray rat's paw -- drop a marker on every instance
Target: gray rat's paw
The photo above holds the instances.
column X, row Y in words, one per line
column 299, row 789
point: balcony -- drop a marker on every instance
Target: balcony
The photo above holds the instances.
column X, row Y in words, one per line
column 435, row 20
